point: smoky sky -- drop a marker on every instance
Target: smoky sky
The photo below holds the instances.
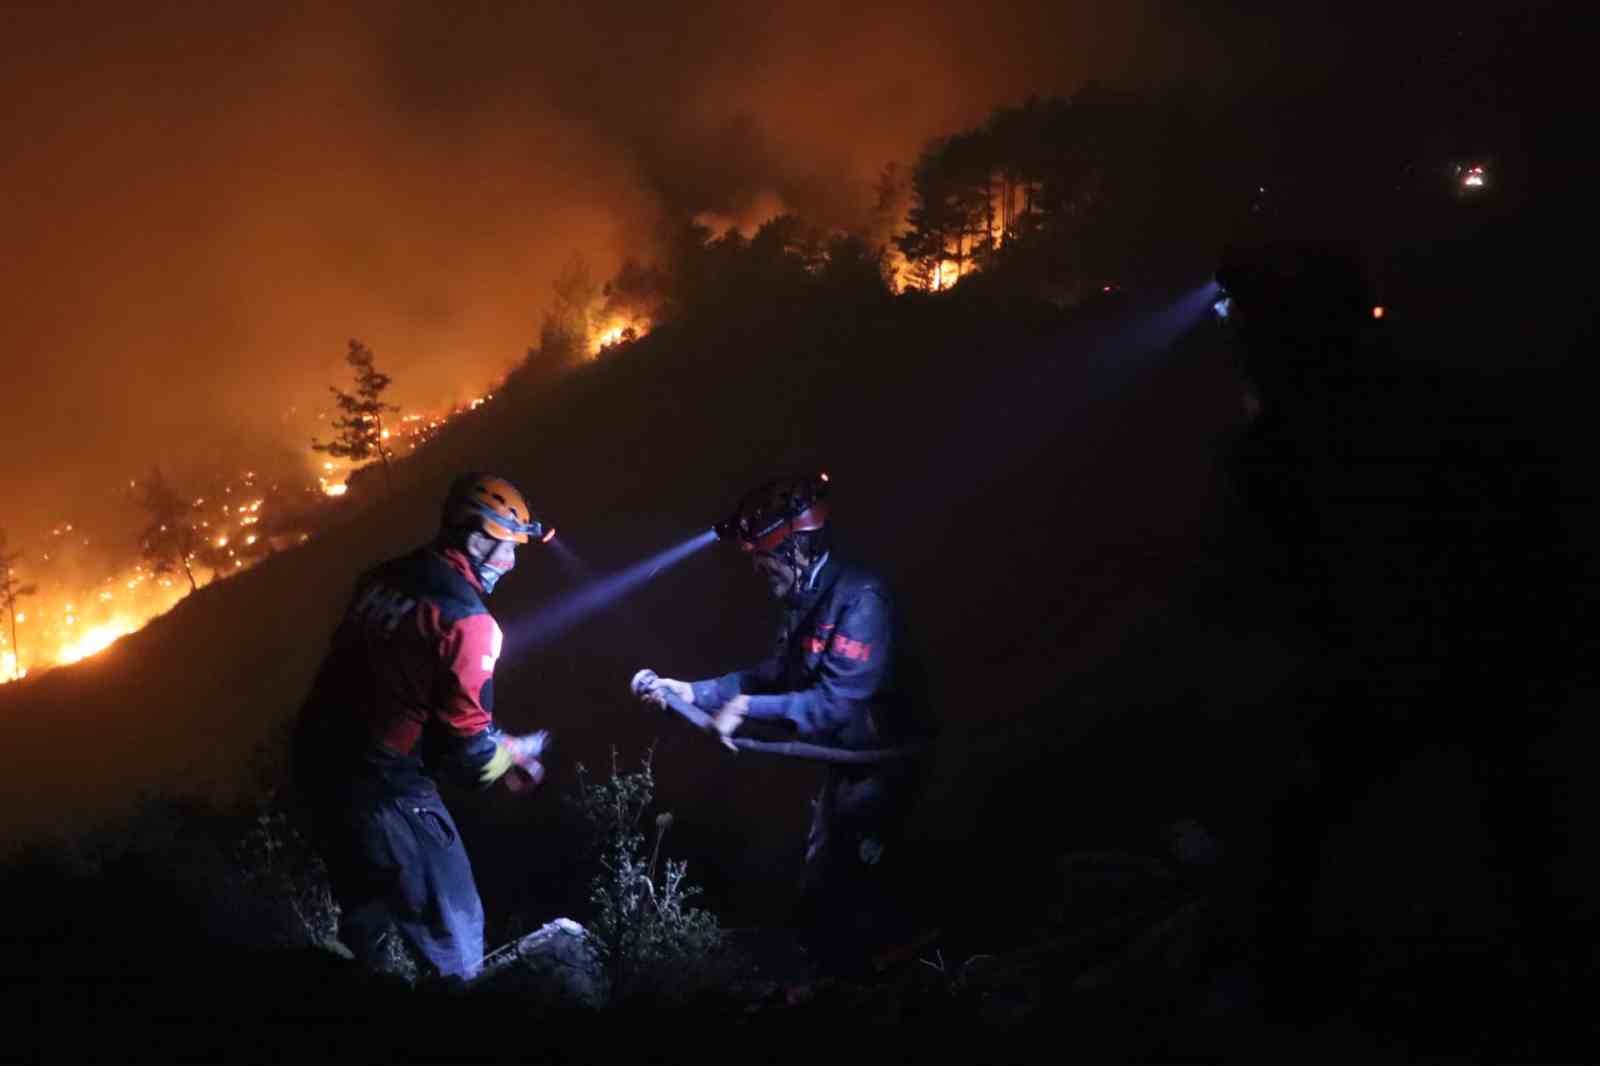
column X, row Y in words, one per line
column 204, row 202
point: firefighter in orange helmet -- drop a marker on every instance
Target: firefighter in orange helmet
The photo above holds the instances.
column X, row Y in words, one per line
column 406, row 692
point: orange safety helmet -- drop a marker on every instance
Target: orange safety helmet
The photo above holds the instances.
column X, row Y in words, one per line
column 493, row 506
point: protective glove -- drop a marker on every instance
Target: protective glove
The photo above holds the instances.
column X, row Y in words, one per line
column 526, row 770
column 527, row 749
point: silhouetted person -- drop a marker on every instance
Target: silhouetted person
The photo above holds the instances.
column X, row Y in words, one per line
column 1415, row 537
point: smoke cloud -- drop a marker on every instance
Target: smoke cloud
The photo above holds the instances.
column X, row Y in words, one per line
column 206, row 201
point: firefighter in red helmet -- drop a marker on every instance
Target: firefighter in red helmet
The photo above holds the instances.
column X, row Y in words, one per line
column 842, row 675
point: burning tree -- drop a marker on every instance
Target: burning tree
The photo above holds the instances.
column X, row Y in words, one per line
column 1073, row 188
column 569, row 322
column 169, row 542
column 359, row 430
column 942, row 218
column 10, row 592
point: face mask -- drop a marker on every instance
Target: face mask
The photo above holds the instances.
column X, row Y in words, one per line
column 487, row 577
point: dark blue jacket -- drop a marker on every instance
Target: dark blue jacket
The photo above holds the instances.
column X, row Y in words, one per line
column 843, row 673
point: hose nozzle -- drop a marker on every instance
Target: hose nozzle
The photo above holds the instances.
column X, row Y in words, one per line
column 642, row 682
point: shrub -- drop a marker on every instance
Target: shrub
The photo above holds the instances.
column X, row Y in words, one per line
column 274, row 860
column 652, row 945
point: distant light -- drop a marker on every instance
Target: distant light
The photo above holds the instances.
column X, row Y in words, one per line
column 824, row 476
column 1223, row 307
column 548, row 537
column 1377, row 312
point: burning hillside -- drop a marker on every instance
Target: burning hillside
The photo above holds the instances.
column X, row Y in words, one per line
column 83, row 589
column 1032, row 193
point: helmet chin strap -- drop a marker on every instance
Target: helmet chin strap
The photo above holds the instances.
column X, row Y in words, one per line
column 791, row 553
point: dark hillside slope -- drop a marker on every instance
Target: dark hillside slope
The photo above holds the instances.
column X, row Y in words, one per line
column 1353, row 638
column 1028, row 489
column 1115, row 645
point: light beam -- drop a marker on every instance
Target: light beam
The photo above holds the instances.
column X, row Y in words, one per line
column 557, row 617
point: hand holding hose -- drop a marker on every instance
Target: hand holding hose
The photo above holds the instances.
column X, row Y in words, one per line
column 727, row 718
column 730, row 716
column 678, row 696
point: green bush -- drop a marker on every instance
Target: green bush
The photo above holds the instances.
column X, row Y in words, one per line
column 652, row 945
column 273, row 859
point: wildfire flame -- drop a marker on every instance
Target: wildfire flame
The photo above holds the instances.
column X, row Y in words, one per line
column 1007, row 218
column 70, row 621
column 615, row 330
column 57, row 632
column 96, row 639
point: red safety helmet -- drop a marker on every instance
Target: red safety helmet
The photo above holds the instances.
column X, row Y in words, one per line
column 772, row 513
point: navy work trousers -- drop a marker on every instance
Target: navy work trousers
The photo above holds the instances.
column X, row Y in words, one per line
column 394, row 857
column 399, row 859
column 853, row 894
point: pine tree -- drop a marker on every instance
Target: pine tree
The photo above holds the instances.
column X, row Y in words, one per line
column 359, row 430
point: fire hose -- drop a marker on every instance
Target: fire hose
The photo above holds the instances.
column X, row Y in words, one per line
column 642, row 686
